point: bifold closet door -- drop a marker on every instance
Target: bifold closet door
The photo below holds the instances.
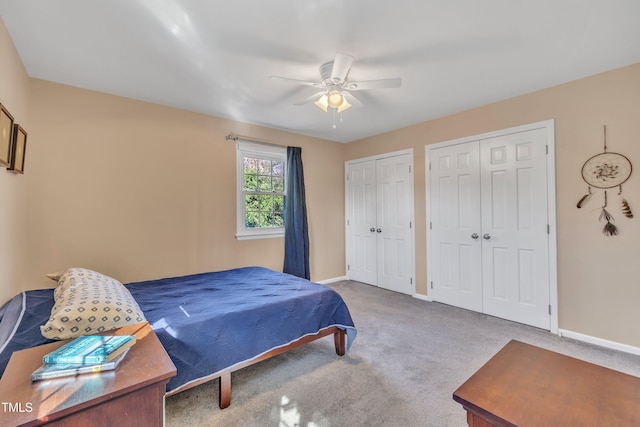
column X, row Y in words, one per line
column 379, row 234
column 455, row 226
column 394, row 186
column 361, row 222
column 489, row 228
column 515, row 244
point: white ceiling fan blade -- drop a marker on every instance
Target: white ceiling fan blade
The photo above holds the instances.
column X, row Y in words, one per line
column 375, row 84
column 313, row 97
column 341, row 65
column 352, row 99
column 295, row 81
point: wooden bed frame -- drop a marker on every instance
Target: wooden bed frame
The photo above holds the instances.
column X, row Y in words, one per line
column 339, row 336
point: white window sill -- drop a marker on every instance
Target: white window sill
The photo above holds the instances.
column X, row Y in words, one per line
column 259, row 236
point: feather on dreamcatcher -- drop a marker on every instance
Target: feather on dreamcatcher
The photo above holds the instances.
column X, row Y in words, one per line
column 604, row 171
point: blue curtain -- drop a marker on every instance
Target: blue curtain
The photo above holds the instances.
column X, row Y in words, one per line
column 296, row 232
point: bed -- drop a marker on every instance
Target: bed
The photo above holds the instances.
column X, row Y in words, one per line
column 210, row 324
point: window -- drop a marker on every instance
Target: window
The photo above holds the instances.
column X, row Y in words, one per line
column 260, row 190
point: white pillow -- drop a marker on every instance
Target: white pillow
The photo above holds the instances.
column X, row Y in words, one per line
column 87, row 302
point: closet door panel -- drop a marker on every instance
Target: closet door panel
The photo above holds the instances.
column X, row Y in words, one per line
column 515, row 255
column 455, row 226
column 499, row 201
column 395, row 250
column 361, row 219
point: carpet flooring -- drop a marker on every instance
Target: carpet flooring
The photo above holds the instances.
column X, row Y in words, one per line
column 408, row 359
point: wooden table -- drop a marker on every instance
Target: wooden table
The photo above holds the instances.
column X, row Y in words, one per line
column 523, row 385
column 131, row 395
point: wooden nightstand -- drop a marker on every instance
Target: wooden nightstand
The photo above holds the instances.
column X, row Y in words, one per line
column 132, row 395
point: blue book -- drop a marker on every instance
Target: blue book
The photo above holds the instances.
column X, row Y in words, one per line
column 91, row 349
column 57, row 370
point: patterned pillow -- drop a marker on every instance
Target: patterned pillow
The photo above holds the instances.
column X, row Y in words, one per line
column 87, row 302
column 56, row 276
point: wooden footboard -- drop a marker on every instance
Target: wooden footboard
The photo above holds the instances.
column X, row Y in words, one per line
column 339, row 338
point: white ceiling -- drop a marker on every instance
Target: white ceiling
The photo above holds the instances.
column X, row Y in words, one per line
column 216, row 57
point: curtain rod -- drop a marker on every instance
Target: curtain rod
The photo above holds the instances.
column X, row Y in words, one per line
column 233, row 137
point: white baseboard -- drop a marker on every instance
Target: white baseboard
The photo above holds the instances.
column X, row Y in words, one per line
column 599, row 341
column 335, row 279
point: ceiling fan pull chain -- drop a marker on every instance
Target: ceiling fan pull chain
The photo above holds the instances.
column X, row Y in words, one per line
column 334, row 117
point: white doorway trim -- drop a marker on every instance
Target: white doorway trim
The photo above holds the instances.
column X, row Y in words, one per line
column 549, row 125
column 380, row 156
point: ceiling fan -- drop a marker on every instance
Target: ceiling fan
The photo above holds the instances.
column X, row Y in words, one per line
column 335, row 87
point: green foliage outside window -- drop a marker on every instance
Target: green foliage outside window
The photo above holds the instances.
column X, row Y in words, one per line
column 263, row 193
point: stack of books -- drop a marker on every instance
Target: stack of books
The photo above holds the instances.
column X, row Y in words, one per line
column 85, row 354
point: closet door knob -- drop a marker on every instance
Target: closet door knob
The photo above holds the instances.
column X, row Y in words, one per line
column 379, row 230
column 474, row 236
column 372, row 229
column 486, row 236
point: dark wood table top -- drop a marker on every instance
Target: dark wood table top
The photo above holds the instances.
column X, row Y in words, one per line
column 146, row 363
column 523, row 385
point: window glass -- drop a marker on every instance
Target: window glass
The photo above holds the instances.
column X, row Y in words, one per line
column 261, row 190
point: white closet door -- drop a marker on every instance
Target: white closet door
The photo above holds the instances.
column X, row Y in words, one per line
column 515, row 242
column 489, row 234
column 394, row 223
column 455, row 226
column 361, row 222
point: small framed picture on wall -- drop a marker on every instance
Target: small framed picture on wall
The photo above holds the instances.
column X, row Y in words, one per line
column 18, row 150
column 6, row 136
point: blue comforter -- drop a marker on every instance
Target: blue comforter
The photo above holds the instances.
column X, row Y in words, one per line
column 207, row 322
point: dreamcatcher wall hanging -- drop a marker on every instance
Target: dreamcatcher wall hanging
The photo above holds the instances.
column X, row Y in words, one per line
column 605, row 171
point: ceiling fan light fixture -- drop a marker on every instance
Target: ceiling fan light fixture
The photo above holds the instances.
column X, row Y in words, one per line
column 335, row 99
column 344, row 105
column 322, row 103
column 327, row 101
column 334, row 86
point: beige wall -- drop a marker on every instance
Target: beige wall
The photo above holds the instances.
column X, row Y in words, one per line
column 141, row 191
column 14, row 93
column 598, row 276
